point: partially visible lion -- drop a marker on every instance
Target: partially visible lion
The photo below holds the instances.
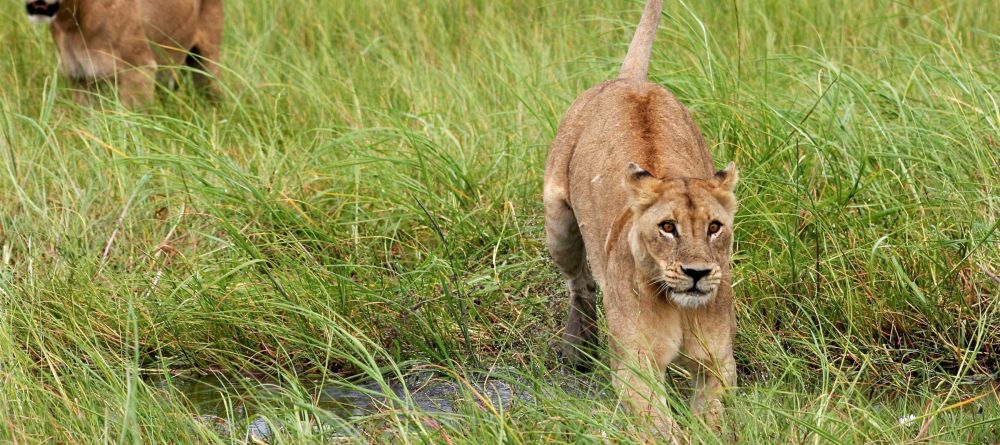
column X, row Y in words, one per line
column 125, row 41
column 632, row 199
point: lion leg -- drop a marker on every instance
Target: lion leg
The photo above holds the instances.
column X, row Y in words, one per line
column 643, row 342
column 135, row 72
column 709, row 382
column 708, row 349
column 569, row 253
column 137, row 86
column 82, row 91
column 636, row 377
column 205, row 54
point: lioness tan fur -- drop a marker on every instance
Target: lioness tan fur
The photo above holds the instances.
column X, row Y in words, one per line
column 632, row 199
column 125, row 41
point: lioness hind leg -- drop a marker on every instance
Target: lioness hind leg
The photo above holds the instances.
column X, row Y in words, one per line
column 567, row 249
column 204, row 57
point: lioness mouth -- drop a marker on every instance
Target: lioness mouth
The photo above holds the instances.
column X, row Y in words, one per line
column 40, row 7
column 695, row 290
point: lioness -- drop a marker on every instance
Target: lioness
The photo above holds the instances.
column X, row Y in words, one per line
column 631, row 195
column 124, row 41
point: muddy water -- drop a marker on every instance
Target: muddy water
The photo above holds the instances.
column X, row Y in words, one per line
column 231, row 406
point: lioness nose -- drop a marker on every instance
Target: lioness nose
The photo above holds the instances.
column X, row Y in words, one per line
column 695, row 274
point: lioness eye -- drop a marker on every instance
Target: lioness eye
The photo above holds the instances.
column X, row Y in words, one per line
column 668, row 227
column 714, row 227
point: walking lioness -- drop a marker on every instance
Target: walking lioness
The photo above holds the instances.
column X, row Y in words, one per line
column 632, row 199
column 124, row 41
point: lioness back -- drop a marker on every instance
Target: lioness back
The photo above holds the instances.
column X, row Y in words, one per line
column 615, row 123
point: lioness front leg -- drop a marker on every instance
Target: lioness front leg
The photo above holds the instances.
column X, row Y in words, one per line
column 639, row 369
column 136, row 86
column 205, row 54
column 636, row 387
column 708, row 353
column 709, row 381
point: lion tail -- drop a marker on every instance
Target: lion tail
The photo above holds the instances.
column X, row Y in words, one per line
column 636, row 65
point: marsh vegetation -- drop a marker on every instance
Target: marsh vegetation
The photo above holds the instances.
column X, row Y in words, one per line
column 364, row 204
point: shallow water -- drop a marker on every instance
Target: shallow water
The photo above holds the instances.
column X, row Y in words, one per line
column 243, row 407
column 231, row 406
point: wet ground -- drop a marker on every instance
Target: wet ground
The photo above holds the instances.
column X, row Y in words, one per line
column 239, row 407
column 231, row 406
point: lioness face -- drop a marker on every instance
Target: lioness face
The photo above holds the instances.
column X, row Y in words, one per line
column 41, row 11
column 681, row 234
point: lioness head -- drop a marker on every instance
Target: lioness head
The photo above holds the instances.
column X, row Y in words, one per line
column 681, row 234
column 41, row 11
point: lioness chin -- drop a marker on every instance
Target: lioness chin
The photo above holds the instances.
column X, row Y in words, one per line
column 125, row 41
column 632, row 199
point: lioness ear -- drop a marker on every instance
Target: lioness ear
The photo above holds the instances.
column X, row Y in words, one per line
column 727, row 177
column 641, row 185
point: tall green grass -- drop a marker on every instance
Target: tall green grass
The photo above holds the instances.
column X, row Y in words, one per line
column 365, row 200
